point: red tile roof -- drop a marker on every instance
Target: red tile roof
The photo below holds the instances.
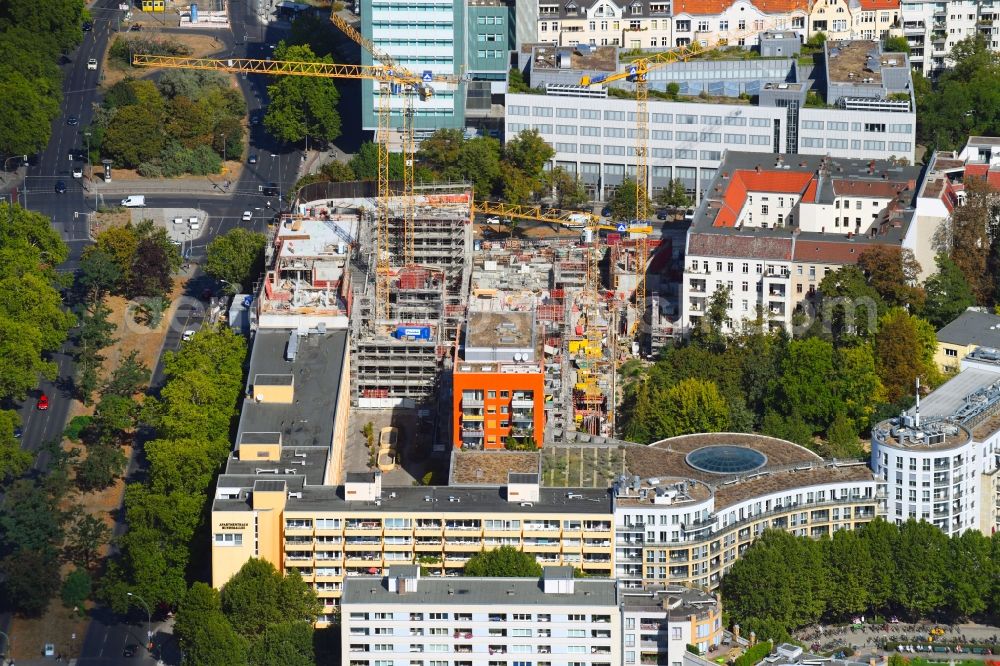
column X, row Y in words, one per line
column 872, row 5
column 829, row 252
column 730, row 245
column 745, row 181
column 983, row 170
column 714, row 7
column 885, row 189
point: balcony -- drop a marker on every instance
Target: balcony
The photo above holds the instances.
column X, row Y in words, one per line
column 472, row 401
column 698, row 287
column 696, row 305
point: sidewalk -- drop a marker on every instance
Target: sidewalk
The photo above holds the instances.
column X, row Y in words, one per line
column 203, row 185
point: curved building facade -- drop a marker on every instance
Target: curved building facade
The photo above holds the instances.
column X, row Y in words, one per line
column 709, row 496
column 940, row 460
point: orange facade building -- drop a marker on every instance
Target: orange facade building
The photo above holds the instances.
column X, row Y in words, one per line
column 498, row 386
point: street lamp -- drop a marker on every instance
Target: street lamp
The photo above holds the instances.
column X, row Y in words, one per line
column 223, row 149
column 12, row 157
column 86, row 135
column 149, row 619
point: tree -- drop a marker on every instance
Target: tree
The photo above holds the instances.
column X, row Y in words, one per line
column 623, row 202
column 568, row 188
column 903, row 352
column 260, row 596
column 948, row 292
column 842, row 439
column 302, row 106
column 364, row 164
column 849, row 306
column 479, row 162
column 921, row 559
column 858, row 388
column 693, row 405
column 134, row 136
column 849, row 565
column 285, row 644
column 101, row 468
column 528, row 152
column 128, row 378
column 880, row 537
column 673, row 195
column 236, row 257
column 973, row 225
column 30, row 519
column 30, row 580
column 76, row 588
column 893, row 273
column 13, row 459
column 804, row 386
column 969, row 573
column 114, row 419
column 503, row 562
column 897, row 44
column 204, row 633
column 98, row 274
column 86, row 538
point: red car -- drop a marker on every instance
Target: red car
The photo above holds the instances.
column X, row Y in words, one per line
column 43, row 402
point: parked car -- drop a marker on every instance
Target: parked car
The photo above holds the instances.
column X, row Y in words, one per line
column 188, row 334
column 43, row 402
column 689, row 215
column 606, row 211
column 662, row 215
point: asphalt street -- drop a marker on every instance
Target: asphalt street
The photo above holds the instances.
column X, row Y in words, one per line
column 108, row 635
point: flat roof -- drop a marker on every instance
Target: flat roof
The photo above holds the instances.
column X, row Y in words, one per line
column 728, row 494
column 845, row 58
column 307, row 461
column 491, row 467
column 498, row 330
column 316, row 370
column 596, row 58
column 471, row 502
column 946, row 399
column 972, row 327
column 668, row 458
column 503, row 593
column 679, row 603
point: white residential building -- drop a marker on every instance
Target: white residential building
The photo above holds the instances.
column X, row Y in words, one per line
column 469, row 621
column 770, row 228
column 933, row 27
column 739, row 22
column 639, row 24
column 940, row 461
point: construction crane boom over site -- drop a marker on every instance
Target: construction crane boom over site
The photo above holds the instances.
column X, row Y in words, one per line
column 637, row 72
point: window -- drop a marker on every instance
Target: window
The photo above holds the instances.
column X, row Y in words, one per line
column 703, row 26
column 947, row 352
column 675, row 633
column 590, row 114
column 577, row 618
column 565, row 113
column 723, row 25
column 439, row 616
column 875, row 127
column 569, row 130
column 228, row 539
column 491, row 394
column 759, row 140
column 614, row 115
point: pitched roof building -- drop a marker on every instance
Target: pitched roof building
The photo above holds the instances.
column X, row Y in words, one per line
column 771, row 226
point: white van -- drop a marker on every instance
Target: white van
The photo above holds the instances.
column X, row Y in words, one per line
column 134, row 201
column 194, row 223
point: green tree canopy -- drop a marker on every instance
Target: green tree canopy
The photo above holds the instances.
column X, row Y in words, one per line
column 674, row 195
column 204, row 632
column 302, row 105
column 694, row 405
column 236, row 257
column 503, row 562
column 948, row 293
column 260, row 596
column 623, row 202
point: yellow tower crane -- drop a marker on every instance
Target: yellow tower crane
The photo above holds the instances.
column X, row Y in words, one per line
column 637, row 72
column 388, row 80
